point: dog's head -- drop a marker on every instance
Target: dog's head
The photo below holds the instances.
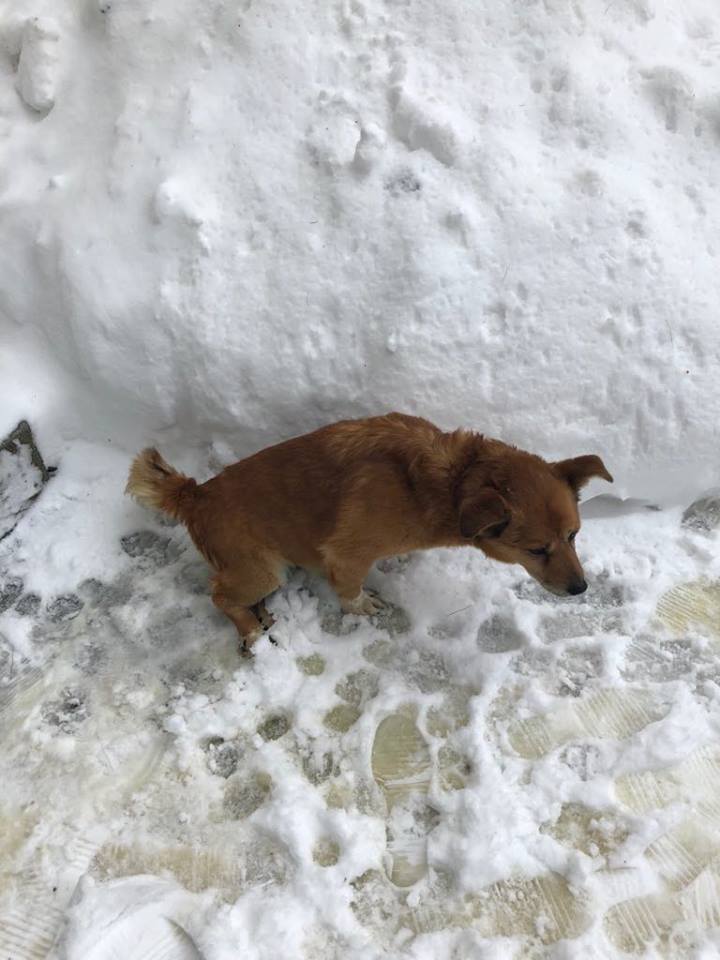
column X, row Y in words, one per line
column 522, row 509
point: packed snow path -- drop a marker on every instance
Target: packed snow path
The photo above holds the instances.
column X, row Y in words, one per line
column 483, row 768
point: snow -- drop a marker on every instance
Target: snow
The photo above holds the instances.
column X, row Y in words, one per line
column 226, row 223
column 244, row 229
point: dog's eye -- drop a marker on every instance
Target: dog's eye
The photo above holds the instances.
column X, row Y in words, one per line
column 539, row 552
column 571, row 536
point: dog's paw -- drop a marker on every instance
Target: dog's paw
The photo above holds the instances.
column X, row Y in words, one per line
column 266, row 619
column 247, row 643
column 248, row 640
column 365, row 604
column 245, row 648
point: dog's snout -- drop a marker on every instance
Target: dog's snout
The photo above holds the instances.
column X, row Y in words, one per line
column 577, row 587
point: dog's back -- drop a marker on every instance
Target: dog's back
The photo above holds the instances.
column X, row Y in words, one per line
column 289, row 496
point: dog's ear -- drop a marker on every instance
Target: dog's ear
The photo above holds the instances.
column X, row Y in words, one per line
column 484, row 514
column 577, row 471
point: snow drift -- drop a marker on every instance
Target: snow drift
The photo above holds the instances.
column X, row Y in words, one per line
column 243, row 220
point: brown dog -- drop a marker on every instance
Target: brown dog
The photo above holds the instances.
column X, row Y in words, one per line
column 340, row 498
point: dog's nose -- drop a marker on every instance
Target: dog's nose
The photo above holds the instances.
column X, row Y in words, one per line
column 577, row 587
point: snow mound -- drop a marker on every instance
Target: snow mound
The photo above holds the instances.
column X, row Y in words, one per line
column 241, row 221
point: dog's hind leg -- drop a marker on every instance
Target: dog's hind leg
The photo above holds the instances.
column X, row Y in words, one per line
column 236, row 591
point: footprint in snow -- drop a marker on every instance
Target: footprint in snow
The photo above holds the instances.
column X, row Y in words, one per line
column 402, row 768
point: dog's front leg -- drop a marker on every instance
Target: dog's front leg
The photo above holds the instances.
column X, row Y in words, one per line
column 347, row 580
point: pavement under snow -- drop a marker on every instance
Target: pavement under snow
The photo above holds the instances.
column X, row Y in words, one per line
column 482, row 770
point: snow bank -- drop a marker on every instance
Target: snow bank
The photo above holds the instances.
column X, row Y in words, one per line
column 241, row 220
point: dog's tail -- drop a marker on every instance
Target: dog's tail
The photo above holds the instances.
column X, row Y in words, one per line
column 154, row 483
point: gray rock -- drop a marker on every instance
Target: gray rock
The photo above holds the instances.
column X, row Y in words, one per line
column 67, row 712
column 28, row 605
column 106, row 595
column 223, row 757
column 22, row 476
column 429, row 672
column 244, row 796
column 10, row 590
column 91, row 658
column 703, row 514
column 274, row 727
column 358, row 687
column 64, row 608
column 318, row 769
column 500, row 635
column 150, row 546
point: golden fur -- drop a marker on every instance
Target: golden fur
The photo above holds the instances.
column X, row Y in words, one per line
column 340, row 498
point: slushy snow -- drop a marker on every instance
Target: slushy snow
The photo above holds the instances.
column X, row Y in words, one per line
column 227, row 223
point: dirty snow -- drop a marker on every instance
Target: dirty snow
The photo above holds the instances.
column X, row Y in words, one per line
column 226, row 223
